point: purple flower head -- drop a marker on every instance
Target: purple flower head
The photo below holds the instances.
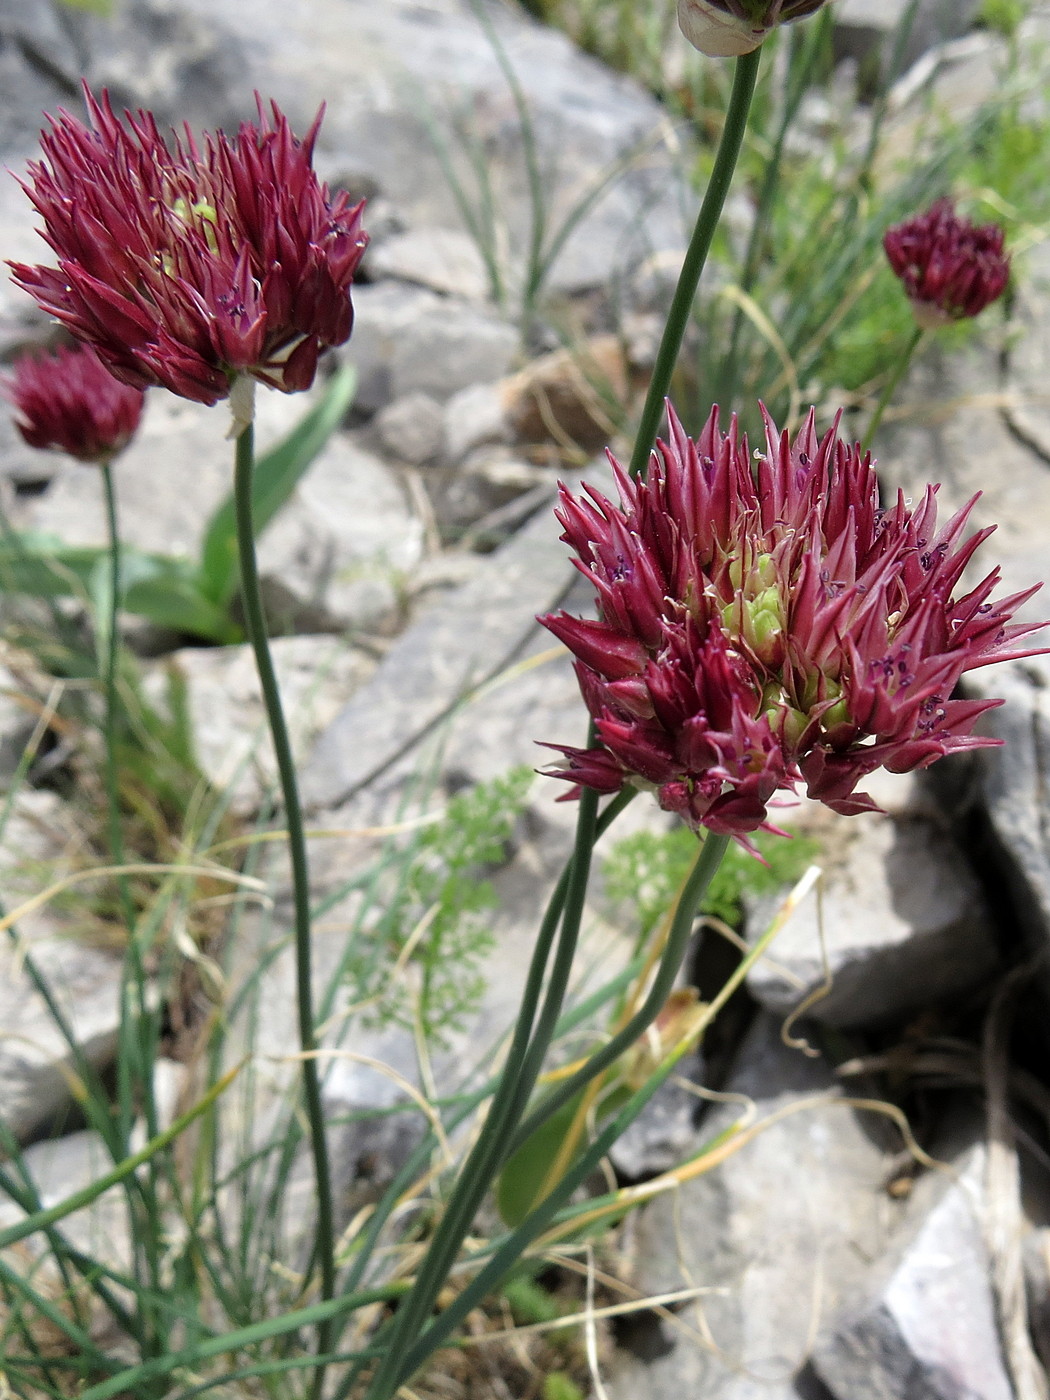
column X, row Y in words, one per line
column 950, row 268
column 763, row 624
column 728, row 28
column 69, row 402
column 187, row 265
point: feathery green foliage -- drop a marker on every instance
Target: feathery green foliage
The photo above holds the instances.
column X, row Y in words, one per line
column 435, row 918
column 643, row 873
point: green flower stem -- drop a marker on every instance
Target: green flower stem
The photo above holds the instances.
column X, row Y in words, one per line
column 508, row 1103
column 256, row 624
column 109, row 662
column 890, row 387
column 134, row 1033
column 707, row 863
column 744, row 79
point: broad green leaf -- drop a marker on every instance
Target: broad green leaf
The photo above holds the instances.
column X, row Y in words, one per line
column 277, row 473
column 162, row 589
column 518, row 1188
column 43, row 566
column 174, row 599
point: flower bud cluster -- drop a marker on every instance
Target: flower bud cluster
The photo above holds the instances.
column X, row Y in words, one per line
column 764, row 624
column 950, row 268
column 188, row 265
column 68, row 401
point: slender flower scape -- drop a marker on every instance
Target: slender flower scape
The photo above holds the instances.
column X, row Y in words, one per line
column 188, row 266
column 950, row 268
column 728, row 28
column 771, row 626
column 69, row 402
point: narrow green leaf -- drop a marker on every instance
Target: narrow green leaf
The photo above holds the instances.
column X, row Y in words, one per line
column 277, row 473
column 126, row 1382
column 41, row 1219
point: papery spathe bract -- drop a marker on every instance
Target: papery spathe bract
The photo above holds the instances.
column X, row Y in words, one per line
column 67, row 401
column 950, row 268
column 765, row 625
column 188, row 265
column 729, row 28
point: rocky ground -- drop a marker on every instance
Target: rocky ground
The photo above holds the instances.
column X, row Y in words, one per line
column 410, row 566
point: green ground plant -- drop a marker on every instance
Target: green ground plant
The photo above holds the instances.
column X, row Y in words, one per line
column 643, row 871
column 192, row 597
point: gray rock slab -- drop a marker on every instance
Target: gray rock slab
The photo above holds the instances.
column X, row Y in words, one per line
column 1036, row 1263
column 396, row 73
column 35, row 1060
column 927, row 1328
column 412, row 429
column 868, row 27
column 232, row 744
column 445, row 260
column 775, row 1236
column 469, row 636
column 490, row 478
column 39, row 65
column 474, row 417
column 973, row 420
column 978, row 421
column 60, row 1166
column 664, row 1132
column 1011, row 783
column 409, row 340
column 345, row 546
column 158, row 54
column 41, row 843
column 900, row 917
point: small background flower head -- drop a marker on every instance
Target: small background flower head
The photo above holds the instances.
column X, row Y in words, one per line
column 950, row 267
column 187, row 265
column 766, row 624
column 728, row 28
column 67, row 400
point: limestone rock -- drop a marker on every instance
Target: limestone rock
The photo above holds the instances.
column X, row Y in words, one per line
column 403, row 78
column 866, row 28
column 35, row 1060
column 469, row 636
column 903, row 921
column 664, row 1133
column 990, row 441
column 411, row 429
column 774, row 1236
column 927, row 1324
column 232, row 745
column 408, row 340
column 445, row 260
column 474, row 417
column 490, row 477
